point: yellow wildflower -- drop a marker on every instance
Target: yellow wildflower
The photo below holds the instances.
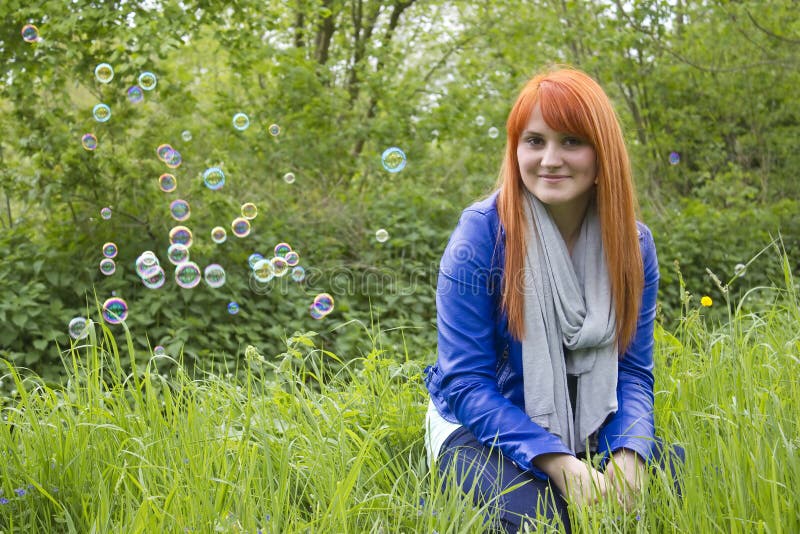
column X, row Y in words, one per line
column 706, row 301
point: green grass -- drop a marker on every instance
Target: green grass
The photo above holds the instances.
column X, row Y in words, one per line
column 306, row 442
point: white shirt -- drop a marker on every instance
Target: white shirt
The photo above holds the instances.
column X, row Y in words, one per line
column 437, row 430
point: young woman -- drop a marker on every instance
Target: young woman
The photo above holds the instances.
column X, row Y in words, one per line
column 546, row 300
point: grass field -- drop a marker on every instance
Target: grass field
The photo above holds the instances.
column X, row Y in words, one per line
column 305, row 441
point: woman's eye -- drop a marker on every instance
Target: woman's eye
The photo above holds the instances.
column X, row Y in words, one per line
column 534, row 141
column 572, row 141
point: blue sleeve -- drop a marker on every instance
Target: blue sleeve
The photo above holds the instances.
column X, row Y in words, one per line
column 467, row 303
column 632, row 426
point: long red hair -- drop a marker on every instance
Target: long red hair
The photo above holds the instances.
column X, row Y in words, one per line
column 571, row 101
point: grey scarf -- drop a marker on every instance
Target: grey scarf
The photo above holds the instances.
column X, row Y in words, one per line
column 569, row 328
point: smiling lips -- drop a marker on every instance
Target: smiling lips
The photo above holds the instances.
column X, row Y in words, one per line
column 553, row 177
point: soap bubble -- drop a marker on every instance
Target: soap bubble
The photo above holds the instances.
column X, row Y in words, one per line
column 289, row 177
column 279, row 266
column 249, row 210
column 158, row 350
column 214, row 275
column 298, row 274
column 240, row 227
column 740, row 270
column 187, row 274
column 282, row 249
column 30, row 33
column 180, row 209
column 233, row 308
column 493, row 132
column 135, row 94
column 167, row 182
column 254, row 258
column 480, row 120
column 315, row 313
column 110, row 250
column 163, row 150
column 674, row 158
column 78, row 328
column 146, row 263
column 89, row 141
column 107, row 266
column 381, row 236
column 263, row 270
column 292, row 258
column 182, row 235
column 214, row 178
column 393, row 159
column 241, row 121
column 173, row 159
column 115, row 310
column 104, row 73
column 148, row 81
column 101, row 112
column 186, row 135
column 323, row 303
column 218, row 235
column 274, row 129
column 155, row 278
column 177, row 253
column 105, row 213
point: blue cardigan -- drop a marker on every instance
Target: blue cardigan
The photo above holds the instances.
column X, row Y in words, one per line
column 477, row 378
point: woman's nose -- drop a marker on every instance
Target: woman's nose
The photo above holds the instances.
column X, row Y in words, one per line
column 551, row 155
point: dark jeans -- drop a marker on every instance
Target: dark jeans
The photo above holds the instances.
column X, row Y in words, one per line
column 488, row 475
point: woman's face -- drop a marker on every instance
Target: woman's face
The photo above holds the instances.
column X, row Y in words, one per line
column 558, row 168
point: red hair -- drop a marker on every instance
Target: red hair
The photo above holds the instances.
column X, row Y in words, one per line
column 571, row 101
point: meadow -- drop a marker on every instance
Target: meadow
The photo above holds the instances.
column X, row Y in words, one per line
column 309, row 441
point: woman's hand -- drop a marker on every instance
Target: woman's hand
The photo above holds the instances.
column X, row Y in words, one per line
column 578, row 482
column 627, row 473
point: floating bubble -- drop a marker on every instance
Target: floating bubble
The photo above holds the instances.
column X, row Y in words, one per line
column 148, row 81
column 135, row 94
column 263, row 271
column 146, row 263
column 188, row 274
column 214, row 178
column 324, row 303
column 180, row 209
column 167, row 182
column 155, row 278
column 104, row 73
column 78, row 328
column 177, row 253
column 107, row 266
column 89, row 141
column 163, row 150
column 480, row 120
column 292, row 258
column 381, row 236
column 493, row 132
column 233, row 308
column 173, row 159
column 279, row 266
column 315, row 313
column 115, row 310
column 218, row 235
column 674, row 158
column 249, row 211
column 274, row 129
column 254, row 258
column 214, row 275
column 740, row 270
column 241, row 121
column 289, row 177
column 393, row 159
column 105, row 213
column 101, row 112
column 110, row 250
column 182, row 235
column 30, row 33
column 186, row 135
column 240, row 227
column 158, row 350
column 298, row 274
column 282, row 249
